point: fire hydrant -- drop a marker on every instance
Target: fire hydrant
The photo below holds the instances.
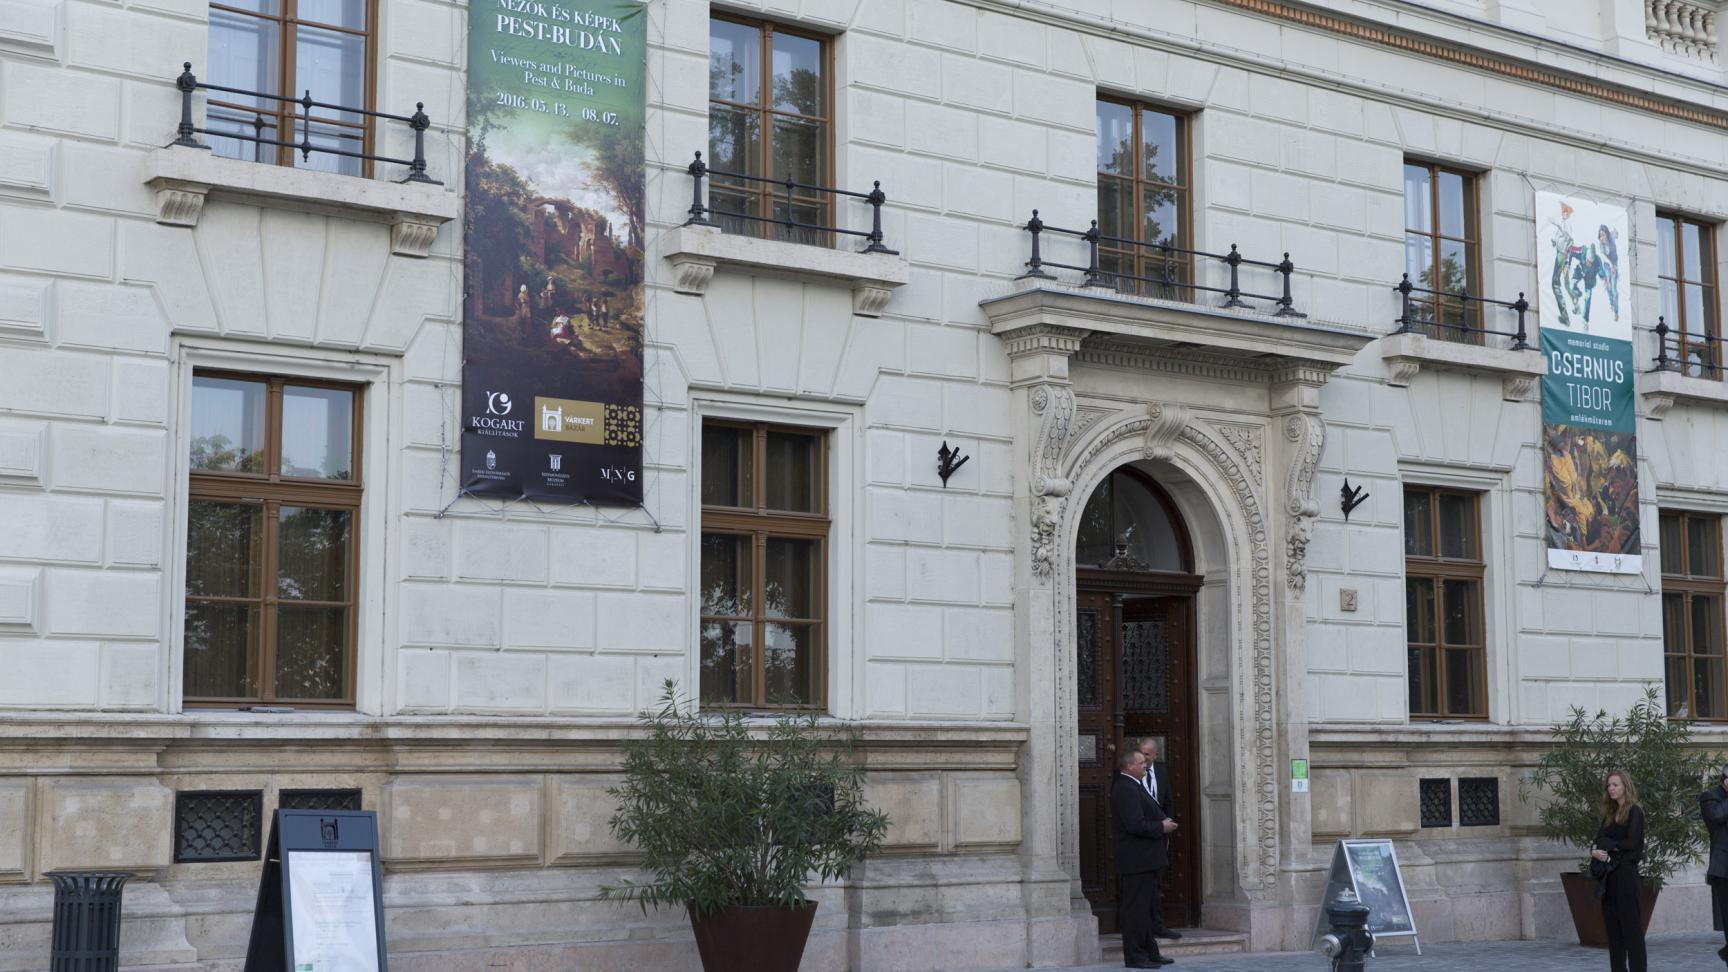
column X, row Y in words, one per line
column 1348, row 943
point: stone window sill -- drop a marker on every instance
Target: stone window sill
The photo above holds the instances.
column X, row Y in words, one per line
column 182, row 178
column 695, row 252
column 1407, row 354
column 1661, row 389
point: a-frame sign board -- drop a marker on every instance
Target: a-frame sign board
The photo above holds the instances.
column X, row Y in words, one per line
column 320, row 899
column 1370, row 868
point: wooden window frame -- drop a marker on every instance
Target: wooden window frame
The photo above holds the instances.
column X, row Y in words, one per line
column 285, row 115
column 1689, row 585
column 762, row 524
column 1435, row 570
column 1143, row 261
column 271, row 491
column 1687, row 334
column 763, row 195
column 1472, row 241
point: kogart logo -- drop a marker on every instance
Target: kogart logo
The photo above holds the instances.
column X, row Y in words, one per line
column 498, row 405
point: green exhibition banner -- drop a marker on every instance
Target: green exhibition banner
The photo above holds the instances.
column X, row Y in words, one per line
column 552, row 229
column 1589, row 422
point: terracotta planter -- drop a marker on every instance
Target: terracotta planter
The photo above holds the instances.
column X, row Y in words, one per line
column 1587, row 908
column 753, row 939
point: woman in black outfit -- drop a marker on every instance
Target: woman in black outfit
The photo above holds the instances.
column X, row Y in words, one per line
column 1620, row 843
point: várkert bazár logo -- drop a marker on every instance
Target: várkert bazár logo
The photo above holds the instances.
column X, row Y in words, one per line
column 494, row 422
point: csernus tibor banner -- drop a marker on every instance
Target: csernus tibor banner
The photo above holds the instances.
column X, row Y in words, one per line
column 1589, row 424
column 552, row 225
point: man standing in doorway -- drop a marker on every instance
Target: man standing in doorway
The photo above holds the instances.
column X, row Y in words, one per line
column 1157, row 782
column 1141, row 840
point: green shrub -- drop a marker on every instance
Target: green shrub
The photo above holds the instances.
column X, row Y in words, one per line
column 729, row 810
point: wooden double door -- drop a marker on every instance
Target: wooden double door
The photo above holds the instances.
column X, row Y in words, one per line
column 1135, row 675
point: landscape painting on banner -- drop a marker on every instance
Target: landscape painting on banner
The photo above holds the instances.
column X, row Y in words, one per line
column 552, row 225
column 1589, row 431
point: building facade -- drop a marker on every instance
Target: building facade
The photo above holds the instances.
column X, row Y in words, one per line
column 239, row 569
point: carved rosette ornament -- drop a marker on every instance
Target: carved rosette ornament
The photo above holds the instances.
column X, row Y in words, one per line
column 1307, row 432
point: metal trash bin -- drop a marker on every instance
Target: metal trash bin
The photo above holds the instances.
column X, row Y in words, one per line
column 86, row 921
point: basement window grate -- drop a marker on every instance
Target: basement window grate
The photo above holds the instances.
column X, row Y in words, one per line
column 1479, row 802
column 217, row 825
column 1436, row 798
column 319, row 800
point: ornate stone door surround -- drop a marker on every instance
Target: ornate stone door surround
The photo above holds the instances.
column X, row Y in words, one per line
column 1257, row 474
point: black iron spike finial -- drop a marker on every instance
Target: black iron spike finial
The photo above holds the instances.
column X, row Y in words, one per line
column 948, row 462
column 1350, row 498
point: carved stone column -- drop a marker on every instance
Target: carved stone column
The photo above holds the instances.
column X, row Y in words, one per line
column 1298, row 438
column 1044, row 400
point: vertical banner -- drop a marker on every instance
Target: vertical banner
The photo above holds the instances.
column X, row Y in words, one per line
column 552, row 309
column 1589, row 431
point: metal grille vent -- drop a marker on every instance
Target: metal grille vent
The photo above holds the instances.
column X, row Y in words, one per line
column 1479, row 802
column 217, row 825
column 1436, row 797
column 319, row 800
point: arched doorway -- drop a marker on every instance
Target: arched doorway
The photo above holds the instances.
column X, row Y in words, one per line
column 1136, row 675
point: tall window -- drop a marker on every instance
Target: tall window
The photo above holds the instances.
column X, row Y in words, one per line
column 764, row 576
column 769, row 116
column 292, row 47
column 1143, row 181
column 1443, row 573
column 272, row 563
column 1440, row 249
column 1686, row 276
column 1692, row 593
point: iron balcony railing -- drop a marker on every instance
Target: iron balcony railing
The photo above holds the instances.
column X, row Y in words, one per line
column 700, row 211
column 1412, row 322
column 188, row 83
column 1168, row 283
column 1695, row 355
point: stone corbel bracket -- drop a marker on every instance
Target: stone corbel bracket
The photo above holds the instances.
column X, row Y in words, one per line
column 1406, row 354
column 183, row 179
column 697, row 252
column 1166, row 422
column 1662, row 390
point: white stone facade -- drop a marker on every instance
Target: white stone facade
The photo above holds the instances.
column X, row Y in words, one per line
column 502, row 647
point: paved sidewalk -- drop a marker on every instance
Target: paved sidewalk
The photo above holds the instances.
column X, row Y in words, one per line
column 1681, row 952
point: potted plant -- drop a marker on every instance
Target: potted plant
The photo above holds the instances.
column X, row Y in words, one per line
column 1668, row 774
column 733, row 815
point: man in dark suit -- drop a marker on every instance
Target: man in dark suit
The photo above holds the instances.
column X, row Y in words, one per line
column 1140, row 837
column 1157, row 783
column 1713, row 803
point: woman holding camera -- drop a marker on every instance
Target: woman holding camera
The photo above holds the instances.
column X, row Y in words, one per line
column 1614, row 861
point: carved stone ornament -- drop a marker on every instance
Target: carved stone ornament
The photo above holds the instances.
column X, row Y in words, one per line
column 1248, row 443
column 1307, row 432
column 1517, row 388
column 1657, row 405
column 691, row 274
column 1046, row 512
column 869, row 297
column 412, row 237
column 179, row 203
column 1054, row 406
column 1167, row 422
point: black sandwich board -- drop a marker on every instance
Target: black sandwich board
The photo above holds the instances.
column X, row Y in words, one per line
column 1370, row 869
column 320, row 898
